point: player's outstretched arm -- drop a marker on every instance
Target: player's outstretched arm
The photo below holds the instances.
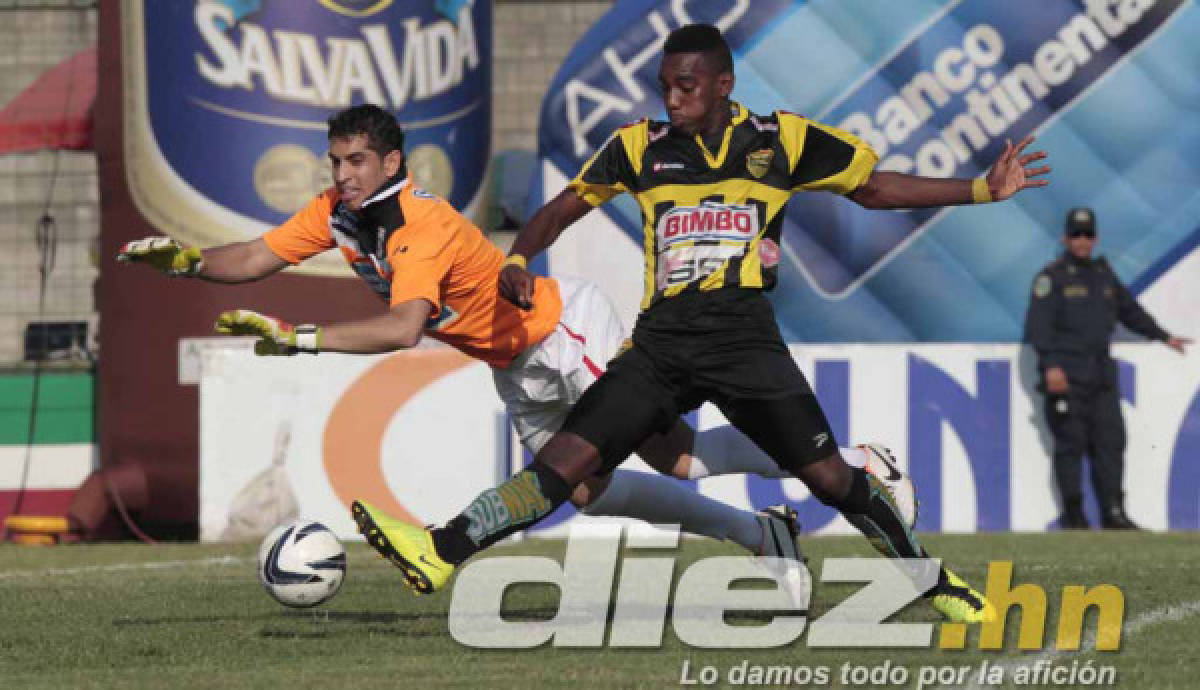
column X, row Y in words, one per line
column 239, row 262
column 398, row 328
column 516, row 283
column 1011, row 173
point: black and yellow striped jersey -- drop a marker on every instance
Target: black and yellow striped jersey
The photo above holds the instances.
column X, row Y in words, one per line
column 713, row 220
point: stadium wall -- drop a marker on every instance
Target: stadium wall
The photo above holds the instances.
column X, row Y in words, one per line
column 421, row 433
column 62, row 184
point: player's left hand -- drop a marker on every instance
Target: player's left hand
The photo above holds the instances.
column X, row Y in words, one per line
column 1011, row 172
column 516, row 285
column 275, row 336
column 1178, row 343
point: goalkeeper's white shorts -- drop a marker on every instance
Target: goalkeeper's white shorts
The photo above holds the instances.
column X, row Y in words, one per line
column 544, row 382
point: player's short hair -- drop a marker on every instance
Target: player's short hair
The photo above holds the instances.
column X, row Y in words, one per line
column 380, row 127
column 701, row 38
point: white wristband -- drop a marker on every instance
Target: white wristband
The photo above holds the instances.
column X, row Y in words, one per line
column 308, row 338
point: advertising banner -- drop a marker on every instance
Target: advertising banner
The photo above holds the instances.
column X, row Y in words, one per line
column 227, row 101
column 421, row 433
column 937, row 88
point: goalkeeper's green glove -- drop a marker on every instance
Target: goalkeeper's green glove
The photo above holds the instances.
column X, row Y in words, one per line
column 275, row 337
column 165, row 254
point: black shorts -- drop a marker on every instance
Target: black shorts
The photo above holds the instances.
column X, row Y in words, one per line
column 722, row 347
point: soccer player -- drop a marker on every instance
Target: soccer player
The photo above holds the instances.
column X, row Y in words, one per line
column 439, row 275
column 712, row 184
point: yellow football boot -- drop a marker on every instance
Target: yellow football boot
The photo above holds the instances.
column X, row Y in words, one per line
column 959, row 603
column 408, row 547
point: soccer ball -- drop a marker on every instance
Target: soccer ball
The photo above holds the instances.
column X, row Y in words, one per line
column 882, row 464
column 301, row 564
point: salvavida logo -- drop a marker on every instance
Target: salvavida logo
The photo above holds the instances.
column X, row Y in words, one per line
column 424, row 61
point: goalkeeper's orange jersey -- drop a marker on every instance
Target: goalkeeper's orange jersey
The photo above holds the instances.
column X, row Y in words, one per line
column 409, row 244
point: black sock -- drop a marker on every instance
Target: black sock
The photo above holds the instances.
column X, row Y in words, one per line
column 517, row 504
column 858, row 498
column 869, row 508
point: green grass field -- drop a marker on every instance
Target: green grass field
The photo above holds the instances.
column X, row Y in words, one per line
column 194, row 616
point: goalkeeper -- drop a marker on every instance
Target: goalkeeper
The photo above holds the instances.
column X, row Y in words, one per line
column 439, row 275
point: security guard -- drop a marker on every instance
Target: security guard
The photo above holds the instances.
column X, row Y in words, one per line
column 1077, row 301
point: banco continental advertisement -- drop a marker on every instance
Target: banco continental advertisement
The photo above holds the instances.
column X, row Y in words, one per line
column 227, row 103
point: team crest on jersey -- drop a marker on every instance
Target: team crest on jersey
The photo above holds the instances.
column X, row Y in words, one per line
column 758, row 162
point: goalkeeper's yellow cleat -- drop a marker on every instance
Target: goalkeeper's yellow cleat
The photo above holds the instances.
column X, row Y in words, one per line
column 960, row 603
column 408, row 547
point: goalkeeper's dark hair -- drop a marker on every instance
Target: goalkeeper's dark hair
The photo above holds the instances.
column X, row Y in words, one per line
column 378, row 125
column 701, row 38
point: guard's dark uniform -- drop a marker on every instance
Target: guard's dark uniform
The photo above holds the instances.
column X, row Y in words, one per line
column 1075, row 305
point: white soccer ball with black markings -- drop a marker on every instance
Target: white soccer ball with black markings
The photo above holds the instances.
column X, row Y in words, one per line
column 882, row 464
column 301, row 564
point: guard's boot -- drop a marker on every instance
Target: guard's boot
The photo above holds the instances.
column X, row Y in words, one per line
column 1073, row 517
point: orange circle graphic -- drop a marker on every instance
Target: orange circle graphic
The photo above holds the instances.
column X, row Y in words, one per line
column 352, row 445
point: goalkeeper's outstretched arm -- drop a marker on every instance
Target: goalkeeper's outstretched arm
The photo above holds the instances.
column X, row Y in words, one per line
column 239, row 262
column 396, row 329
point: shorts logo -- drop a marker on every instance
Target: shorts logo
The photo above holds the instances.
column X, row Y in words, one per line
column 758, row 162
column 820, row 439
column 659, row 167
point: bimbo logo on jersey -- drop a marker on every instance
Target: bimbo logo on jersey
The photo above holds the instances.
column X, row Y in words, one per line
column 227, row 127
column 708, row 221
